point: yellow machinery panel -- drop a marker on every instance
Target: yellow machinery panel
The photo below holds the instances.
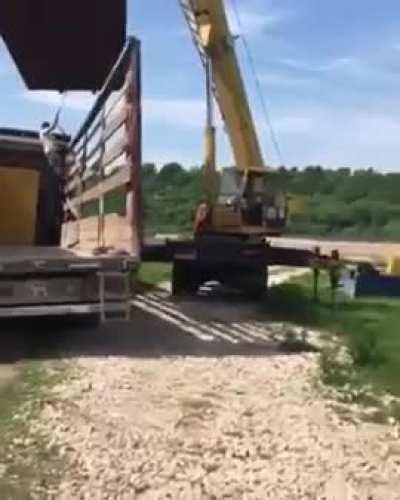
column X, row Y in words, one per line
column 19, row 192
column 394, row 266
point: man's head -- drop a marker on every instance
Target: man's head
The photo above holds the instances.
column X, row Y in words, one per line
column 45, row 125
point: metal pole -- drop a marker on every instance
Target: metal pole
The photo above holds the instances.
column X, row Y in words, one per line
column 210, row 177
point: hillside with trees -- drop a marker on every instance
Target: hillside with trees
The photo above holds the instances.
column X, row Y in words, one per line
column 363, row 204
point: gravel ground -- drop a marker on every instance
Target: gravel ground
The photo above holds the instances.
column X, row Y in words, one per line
column 7, row 373
column 198, row 400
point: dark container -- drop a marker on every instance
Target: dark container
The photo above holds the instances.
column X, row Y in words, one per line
column 69, row 45
column 377, row 285
column 21, row 149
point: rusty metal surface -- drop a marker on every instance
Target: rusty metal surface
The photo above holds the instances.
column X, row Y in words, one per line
column 39, row 260
column 134, row 134
column 240, row 252
column 64, row 45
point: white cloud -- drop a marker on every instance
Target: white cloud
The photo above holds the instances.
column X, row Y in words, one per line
column 179, row 113
column 162, row 156
column 253, row 23
column 294, row 124
column 283, row 81
column 249, row 21
column 187, row 113
column 333, row 65
column 76, row 101
column 335, row 137
column 339, row 63
column 328, row 136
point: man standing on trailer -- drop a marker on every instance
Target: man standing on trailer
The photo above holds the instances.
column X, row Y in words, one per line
column 51, row 198
column 51, row 148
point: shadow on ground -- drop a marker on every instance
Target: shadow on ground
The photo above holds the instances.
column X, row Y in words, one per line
column 160, row 326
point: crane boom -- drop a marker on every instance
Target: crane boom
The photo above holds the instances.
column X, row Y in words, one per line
column 209, row 26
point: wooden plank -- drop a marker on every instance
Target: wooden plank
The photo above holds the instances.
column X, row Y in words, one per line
column 116, row 230
column 115, row 151
column 91, row 171
column 89, row 136
column 94, row 150
column 93, row 164
column 120, row 178
column 113, row 159
column 108, row 87
column 97, row 141
column 114, row 123
column 114, row 104
column 116, row 107
column 72, row 185
column 119, row 162
column 74, row 167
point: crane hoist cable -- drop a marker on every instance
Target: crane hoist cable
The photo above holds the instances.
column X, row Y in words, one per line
column 252, row 65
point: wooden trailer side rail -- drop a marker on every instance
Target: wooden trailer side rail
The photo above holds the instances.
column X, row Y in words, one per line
column 102, row 187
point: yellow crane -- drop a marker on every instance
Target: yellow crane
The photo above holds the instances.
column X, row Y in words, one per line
column 244, row 202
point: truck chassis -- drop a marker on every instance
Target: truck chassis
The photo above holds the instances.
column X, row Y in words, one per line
column 234, row 262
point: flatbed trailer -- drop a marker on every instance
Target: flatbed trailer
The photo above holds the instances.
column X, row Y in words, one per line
column 234, row 262
column 81, row 265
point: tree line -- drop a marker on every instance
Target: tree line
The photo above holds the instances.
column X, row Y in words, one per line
column 360, row 204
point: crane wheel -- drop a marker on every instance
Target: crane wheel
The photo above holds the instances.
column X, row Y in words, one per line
column 184, row 279
column 255, row 285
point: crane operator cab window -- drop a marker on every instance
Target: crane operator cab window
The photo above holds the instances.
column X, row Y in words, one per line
column 230, row 191
column 259, row 203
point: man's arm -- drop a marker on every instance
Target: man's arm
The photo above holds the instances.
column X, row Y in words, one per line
column 54, row 125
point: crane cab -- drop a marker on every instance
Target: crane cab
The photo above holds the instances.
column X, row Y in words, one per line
column 248, row 204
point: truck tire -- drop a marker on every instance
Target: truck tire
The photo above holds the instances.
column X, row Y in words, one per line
column 256, row 283
column 184, row 279
column 91, row 321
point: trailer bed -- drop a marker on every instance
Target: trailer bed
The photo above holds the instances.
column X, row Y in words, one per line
column 51, row 281
column 19, row 260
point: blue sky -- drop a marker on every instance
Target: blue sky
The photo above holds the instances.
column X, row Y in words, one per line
column 329, row 70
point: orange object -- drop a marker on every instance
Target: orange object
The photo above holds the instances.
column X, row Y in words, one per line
column 19, row 190
column 202, row 218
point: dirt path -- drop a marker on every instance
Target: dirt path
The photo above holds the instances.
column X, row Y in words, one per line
column 7, row 373
column 197, row 399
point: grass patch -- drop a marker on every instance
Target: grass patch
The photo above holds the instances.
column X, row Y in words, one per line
column 26, row 463
column 369, row 328
column 152, row 274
